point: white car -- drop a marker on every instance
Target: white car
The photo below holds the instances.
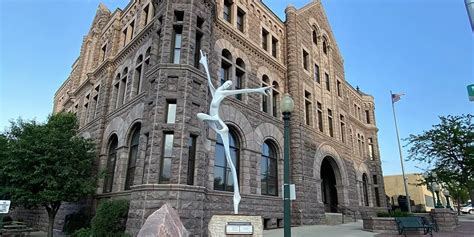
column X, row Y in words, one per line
column 467, row 209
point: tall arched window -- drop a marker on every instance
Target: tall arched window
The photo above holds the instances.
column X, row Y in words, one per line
column 239, row 76
column 123, row 88
column 269, row 169
column 365, row 189
column 115, row 91
column 147, row 58
column 137, row 77
column 226, row 66
column 132, row 155
column 363, row 146
column 325, row 46
column 222, row 175
column 265, row 104
column 111, row 159
column 359, row 144
column 315, row 36
column 275, row 99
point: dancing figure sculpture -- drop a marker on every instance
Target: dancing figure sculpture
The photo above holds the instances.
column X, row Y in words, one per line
column 216, row 123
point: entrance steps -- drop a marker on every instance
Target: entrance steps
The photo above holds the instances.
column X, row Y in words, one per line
column 336, row 218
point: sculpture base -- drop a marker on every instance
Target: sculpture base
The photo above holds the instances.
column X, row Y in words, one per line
column 235, row 225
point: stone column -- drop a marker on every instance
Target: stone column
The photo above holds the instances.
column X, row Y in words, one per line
column 446, row 219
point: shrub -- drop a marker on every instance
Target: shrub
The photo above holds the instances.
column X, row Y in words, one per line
column 110, row 218
column 6, row 220
column 84, row 232
column 396, row 213
column 76, row 221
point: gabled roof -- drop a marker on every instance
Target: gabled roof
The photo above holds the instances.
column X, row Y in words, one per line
column 316, row 3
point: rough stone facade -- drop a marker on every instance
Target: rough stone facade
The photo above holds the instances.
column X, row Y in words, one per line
column 127, row 74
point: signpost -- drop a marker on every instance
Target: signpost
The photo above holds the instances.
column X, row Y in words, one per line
column 4, row 208
column 292, row 192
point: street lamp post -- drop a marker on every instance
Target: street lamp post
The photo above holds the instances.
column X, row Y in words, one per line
column 287, row 106
column 436, row 189
column 446, row 194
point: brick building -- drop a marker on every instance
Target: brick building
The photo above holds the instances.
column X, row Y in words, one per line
column 137, row 87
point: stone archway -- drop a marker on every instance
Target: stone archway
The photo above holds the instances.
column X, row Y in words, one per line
column 339, row 177
column 330, row 176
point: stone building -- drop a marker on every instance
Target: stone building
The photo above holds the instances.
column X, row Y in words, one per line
column 421, row 196
column 137, row 86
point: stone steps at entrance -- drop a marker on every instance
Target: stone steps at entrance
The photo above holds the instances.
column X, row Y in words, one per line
column 337, row 218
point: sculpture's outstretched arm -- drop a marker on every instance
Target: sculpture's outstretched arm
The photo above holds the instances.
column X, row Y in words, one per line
column 263, row 90
column 204, row 63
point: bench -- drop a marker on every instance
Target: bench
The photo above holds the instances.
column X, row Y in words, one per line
column 405, row 224
column 431, row 221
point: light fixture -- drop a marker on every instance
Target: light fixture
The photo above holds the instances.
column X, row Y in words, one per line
column 426, row 176
column 436, row 187
column 287, row 104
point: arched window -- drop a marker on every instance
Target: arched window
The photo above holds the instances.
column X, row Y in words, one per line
column 315, row 36
column 122, row 88
column 125, row 71
column 275, row 99
column 147, row 57
column 239, row 76
column 362, row 146
column 111, row 159
column 132, row 155
column 222, row 175
column 325, row 46
column 226, row 66
column 139, row 59
column 137, row 77
column 115, row 91
column 269, row 169
column 365, row 189
column 359, row 144
column 265, row 104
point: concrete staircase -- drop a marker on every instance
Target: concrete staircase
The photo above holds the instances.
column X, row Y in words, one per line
column 337, row 219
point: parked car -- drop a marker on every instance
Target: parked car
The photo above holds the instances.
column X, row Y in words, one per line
column 467, row 209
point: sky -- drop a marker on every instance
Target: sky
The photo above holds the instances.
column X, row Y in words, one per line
column 423, row 48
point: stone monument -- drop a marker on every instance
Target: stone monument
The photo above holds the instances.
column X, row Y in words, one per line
column 164, row 222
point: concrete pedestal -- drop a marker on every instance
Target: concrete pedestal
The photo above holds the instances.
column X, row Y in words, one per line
column 218, row 223
column 447, row 220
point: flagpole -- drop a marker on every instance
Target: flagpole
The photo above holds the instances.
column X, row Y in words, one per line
column 401, row 157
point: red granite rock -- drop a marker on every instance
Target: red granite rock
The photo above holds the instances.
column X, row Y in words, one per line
column 164, row 222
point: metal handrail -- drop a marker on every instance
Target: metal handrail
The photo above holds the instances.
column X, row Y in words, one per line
column 344, row 208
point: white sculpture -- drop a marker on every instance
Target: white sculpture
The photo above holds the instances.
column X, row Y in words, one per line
column 216, row 123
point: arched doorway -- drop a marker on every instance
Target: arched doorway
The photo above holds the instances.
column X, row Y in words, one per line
column 328, row 184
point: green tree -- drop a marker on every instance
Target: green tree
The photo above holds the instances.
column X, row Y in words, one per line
column 448, row 147
column 45, row 164
column 458, row 193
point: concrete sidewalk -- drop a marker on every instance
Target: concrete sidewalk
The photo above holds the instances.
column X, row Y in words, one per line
column 353, row 229
column 465, row 229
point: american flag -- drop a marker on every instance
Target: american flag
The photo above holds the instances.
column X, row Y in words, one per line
column 396, row 97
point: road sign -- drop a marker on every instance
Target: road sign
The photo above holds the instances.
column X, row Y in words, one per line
column 470, row 92
column 4, row 206
column 292, row 191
